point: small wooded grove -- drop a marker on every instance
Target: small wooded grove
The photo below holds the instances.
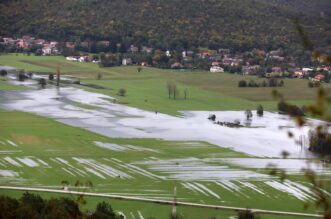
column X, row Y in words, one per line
column 34, row 207
column 271, row 82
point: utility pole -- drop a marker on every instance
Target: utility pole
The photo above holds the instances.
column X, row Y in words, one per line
column 58, row 76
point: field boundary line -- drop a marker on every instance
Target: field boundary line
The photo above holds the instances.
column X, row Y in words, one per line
column 163, row 202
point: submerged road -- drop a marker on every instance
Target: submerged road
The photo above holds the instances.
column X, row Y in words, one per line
column 162, row 202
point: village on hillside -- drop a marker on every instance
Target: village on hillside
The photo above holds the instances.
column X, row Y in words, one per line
column 269, row 64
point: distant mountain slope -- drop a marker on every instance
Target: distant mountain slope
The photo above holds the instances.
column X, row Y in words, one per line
column 170, row 23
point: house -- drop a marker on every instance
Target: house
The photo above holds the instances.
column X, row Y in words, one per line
column 71, row 58
column 50, row 48
column 276, row 69
column 147, row 49
column 189, row 53
column 216, row 69
column 260, row 52
column 47, row 49
column 85, row 44
column 215, row 63
column 127, row 61
column 307, row 70
column 205, row 55
column 23, row 44
column 177, row 65
column 299, row 74
column 8, row 41
column 319, row 77
column 70, row 45
column 39, row 42
column 105, row 43
column 222, row 51
column 133, row 49
column 249, row 70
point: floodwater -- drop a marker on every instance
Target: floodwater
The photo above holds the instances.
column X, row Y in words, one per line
column 266, row 136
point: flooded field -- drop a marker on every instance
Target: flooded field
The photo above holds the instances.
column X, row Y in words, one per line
column 265, row 136
column 128, row 151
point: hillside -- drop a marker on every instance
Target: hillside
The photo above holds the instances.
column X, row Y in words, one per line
column 171, row 23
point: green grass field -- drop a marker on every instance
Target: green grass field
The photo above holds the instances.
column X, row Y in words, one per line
column 40, row 152
column 147, row 89
column 48, row 152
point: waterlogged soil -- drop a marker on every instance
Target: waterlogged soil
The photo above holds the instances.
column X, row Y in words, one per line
column 265, row 136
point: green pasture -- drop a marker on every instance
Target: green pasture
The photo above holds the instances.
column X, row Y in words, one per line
column 148, row 89
column 46, row 141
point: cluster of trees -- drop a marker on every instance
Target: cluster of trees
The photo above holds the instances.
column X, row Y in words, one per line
column 272, row 82
column 34, row 206
column 213, row 24
column 293, row 110
column 173, row 91
column 320, row 142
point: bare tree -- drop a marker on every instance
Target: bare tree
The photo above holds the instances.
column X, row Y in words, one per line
column 170, row 86
column 185, row 93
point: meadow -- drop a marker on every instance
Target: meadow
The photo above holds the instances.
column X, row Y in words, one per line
column 40, row 152
column 148, row 89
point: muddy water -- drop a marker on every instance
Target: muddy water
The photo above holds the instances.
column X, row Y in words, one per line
column 264, row 137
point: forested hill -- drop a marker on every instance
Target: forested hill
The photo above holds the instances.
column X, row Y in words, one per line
column 240, row 24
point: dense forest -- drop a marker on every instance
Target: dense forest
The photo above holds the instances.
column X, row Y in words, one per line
column 172, row 24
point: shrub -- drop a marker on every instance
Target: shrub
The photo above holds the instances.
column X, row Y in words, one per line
column 99, row 76
column 212, row 117
column 242, row 83
column 289, row 109
column 311, row 84
column 247, row 214
column 281, row 83
column 259, row 110
column 273, row 82
column 320, row 142
column 251, row 83
column 121, row 92
column 51, row 77
column 42, row 82
column 3, row 73
column 21, row 76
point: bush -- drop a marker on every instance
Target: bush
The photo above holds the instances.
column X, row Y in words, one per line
column 103, row 210
column 212, row 117
column 42, row 82
column 242, row 83
column 281, row 83
column 252, row 83
column 320, row 142
column 273, row 82
column 34, row 206
column 99, row 76
column 121, row 92
column 3, row 73
column 21, row 76
column 313, row 84
column 289, row 109
column 259, row 110
column 248, row 214
column 51, row 77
